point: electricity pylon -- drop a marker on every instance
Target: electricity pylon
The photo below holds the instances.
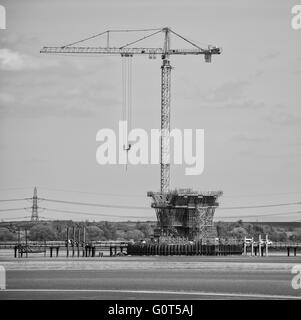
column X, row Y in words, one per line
column 34, row 208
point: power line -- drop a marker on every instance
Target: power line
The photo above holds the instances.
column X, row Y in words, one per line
column 260, row 194
column 95, row 214
column 7, row 200
column 93, row 193
column 6, row 189
column 147, row 208
column 13, row 209
column 144, row 217
column 15, row 218
column 262, row 206
column 126, row 216
column 259, row 216
column 142, row 195
column 96, row 204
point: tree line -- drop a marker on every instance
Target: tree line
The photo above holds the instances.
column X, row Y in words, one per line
column 136, row 231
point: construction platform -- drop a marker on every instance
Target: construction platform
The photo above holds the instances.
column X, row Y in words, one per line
column 185, row 214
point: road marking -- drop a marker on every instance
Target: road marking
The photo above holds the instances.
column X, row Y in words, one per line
column 191, row 293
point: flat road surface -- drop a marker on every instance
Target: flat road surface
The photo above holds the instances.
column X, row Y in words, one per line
column 175, row 277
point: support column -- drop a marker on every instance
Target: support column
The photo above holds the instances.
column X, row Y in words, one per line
column 67, row 252
column 266, row 245
column 73, row 246
column 26, row 246
column 78, row 242
column 259, row 245
column 19, row 242
column 84, row 241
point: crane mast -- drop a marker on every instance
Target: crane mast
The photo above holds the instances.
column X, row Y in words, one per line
column 165, row 115
column 165, row 53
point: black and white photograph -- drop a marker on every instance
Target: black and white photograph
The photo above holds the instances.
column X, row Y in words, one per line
column 150, row 152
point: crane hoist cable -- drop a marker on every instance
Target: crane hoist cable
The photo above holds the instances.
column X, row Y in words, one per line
column 127, row 100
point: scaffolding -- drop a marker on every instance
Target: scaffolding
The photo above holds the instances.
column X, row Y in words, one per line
column 185, row 214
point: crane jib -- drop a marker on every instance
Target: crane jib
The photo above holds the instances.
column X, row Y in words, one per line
column 132, row 51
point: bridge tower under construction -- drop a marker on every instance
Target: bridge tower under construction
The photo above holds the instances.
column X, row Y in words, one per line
column 185, row 214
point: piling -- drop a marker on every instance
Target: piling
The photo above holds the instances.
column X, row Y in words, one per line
column 259, row 245
column 84, row 241
column 245, row 247
column 266, row 245
column 78, row 242
column 73, row 244
column 19, row 242
column 26, row 243
column 67, row 252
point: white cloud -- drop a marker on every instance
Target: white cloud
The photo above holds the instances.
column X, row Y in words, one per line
column 15, row 61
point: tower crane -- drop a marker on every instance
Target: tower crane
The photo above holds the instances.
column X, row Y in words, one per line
column 165, row 52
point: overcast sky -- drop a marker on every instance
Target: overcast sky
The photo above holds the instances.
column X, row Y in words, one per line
column 247, row 100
